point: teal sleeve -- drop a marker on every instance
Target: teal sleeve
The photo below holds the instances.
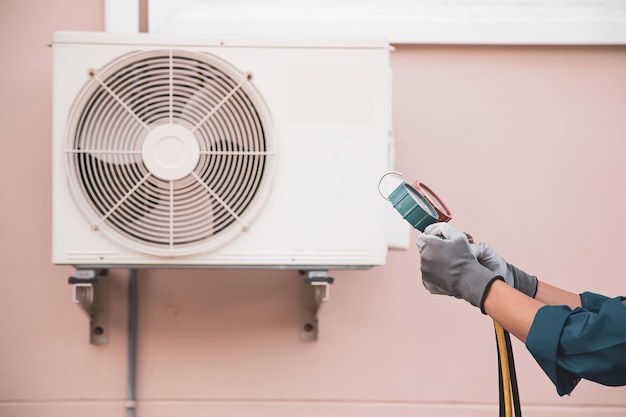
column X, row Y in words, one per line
column 591, row 301
column 573, row 344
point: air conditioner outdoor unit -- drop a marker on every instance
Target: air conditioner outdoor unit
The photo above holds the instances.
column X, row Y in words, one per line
column 194, row 152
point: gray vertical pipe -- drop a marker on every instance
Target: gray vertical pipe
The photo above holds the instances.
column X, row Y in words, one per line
column 132, row 279
column 132, row 341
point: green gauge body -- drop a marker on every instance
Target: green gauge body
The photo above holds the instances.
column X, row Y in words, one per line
column 413, row 207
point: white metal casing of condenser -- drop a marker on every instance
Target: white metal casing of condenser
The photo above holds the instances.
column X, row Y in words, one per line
column 137, row 162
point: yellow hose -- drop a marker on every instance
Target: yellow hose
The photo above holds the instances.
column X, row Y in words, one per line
column 506, row 375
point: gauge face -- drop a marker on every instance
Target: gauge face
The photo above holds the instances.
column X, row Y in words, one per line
column 421, row 201
column 170, row 152
column 443, row 212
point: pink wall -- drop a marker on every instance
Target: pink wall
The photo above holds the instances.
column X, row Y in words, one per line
column 526, row 144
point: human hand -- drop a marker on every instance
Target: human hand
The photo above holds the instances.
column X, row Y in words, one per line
column 449, row 267
column 513, row 276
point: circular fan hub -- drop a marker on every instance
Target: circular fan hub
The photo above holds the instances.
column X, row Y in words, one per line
column 170, row 152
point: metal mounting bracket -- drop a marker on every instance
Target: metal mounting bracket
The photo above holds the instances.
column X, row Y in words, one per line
column 314, row 291
column 91, row 294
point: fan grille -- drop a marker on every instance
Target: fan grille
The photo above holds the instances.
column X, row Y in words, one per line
column 169, row 151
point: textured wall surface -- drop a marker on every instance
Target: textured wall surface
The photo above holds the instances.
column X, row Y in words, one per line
column 525, row 144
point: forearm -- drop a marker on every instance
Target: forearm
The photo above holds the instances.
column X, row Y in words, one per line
column 551, row 295
column 512, row 309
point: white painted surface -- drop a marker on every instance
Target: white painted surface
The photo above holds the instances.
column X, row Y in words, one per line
column 401, row 21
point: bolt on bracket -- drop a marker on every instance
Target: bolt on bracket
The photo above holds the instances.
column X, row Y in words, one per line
column 314, row 291
column 91, row 294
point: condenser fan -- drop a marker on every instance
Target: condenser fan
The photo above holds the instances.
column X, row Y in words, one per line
column 169, row 152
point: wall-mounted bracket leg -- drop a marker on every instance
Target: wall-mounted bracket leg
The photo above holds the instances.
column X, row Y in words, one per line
column 91, row 294
column 314, row 290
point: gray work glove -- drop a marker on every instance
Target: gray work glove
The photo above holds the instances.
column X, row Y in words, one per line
column 513, row 276
column 450, row 268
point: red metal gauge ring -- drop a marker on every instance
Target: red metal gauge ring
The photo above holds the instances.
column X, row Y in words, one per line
column 440, row 207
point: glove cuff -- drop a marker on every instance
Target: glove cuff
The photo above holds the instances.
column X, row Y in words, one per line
column 486, row 291
column 523, row 282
